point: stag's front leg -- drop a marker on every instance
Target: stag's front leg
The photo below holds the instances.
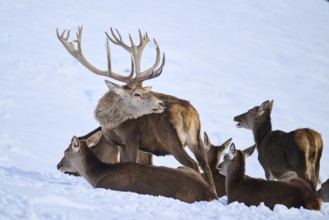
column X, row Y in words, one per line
column 129, row 152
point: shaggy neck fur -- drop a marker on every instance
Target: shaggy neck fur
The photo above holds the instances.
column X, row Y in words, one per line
column 111, row 111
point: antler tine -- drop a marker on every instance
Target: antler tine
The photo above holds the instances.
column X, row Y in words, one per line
column 151, row 71
column 126, row 79
column 78, row 55
column 118, row 41
column 136, row 51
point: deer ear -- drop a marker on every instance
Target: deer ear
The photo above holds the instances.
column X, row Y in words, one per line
column 113, row 87
column 249, row 151
column 206, row 140
column 226, row 144
column 147, row 89
column 94, row 139
column 232, row 151
column 75, row 144
column 262, row 108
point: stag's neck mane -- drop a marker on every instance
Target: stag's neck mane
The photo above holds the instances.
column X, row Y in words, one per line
column 111, row 111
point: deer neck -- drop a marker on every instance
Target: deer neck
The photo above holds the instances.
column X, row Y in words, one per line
column 90, row 167
column 213, row 164
column 111, row 112
column 261, row 129
column 235, row 172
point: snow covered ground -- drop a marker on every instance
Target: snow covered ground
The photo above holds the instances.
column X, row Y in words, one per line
column 223, row 56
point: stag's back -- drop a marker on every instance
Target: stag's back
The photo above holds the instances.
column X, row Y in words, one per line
column 177, row 125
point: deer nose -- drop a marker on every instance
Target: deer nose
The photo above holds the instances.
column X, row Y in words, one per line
column 163, row 105
column 59, row 165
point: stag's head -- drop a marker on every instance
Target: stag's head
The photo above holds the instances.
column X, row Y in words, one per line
column 134, row 101
column 133, row 96
column 253, row 116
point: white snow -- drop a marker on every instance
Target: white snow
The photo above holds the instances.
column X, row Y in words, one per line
column 223, row 56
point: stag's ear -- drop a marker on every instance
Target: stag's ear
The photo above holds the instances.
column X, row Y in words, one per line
column 232, row 151
column 249, row 151
column 147, row 89
column 113, row 87
column 94, row 139
column 206, row 140
column 75, row 144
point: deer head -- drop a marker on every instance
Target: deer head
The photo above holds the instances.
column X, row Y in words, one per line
column 138, row 99
column 214, row 153
column 69, row 163
column 228, row 158
column 250, row 118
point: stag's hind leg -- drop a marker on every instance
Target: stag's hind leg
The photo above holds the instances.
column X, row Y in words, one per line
column 182, row 156
column 200, row 155
column 198, row 149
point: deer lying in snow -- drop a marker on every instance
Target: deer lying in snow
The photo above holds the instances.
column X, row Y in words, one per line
column 133, row 117
column 279, row 152
column 108, row 152
column 134, row 177
column 214, row 154
column 294, row 192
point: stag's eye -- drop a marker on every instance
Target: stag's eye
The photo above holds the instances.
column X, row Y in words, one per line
column 138, row 95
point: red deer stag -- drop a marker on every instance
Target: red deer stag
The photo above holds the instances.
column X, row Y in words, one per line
column 278, row 151
column 292, row 193
column 214, row 155
column 126, row 121
column 134, row 177
column 108, row 152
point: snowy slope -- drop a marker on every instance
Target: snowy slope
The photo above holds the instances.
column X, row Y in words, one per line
column 223, row 56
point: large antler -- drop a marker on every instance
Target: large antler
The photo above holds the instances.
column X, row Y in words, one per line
column 135, row 51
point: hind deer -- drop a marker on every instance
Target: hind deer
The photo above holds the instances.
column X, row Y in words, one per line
column 323, row 192
column 278, row 151
column 214, row 154
column 294, row 192
column 162, row 126
column 108, row 152
column 134, row 177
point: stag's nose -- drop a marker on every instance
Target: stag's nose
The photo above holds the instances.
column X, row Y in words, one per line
column 163, row 105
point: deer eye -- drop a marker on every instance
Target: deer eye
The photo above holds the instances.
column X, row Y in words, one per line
column 138, row 95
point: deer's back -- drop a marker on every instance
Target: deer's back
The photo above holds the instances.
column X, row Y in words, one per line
column 157, row 181
column 177, row 125
column 255, row 191
column 304, row 140
column 286, row 150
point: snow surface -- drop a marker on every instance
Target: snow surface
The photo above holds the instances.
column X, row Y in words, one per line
column 223, row 56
